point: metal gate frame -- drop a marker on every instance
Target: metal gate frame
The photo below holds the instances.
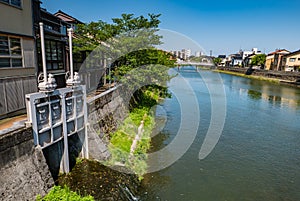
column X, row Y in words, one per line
column 55, row 116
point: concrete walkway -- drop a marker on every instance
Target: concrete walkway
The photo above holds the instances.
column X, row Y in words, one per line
column 11, row 124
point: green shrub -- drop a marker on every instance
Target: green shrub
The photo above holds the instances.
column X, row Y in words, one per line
column 58, row 193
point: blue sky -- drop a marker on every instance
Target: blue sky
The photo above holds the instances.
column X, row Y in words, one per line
column 221, row 26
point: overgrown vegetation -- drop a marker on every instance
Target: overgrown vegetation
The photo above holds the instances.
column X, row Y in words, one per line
column 59, row 193
column 122, row 139
column 90, row 177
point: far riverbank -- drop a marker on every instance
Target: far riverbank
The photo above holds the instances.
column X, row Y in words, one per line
column 290, row 78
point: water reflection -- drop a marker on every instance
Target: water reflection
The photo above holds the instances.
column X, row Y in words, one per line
column 256, row 95
column 273, row 93
column 256, row 158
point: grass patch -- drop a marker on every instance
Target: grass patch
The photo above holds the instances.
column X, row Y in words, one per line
column 59, row 193
column 274, row 80
column 122, row 139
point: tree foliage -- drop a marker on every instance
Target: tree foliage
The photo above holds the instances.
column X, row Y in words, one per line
column 93, row 34
column 127, row 43
column 217, row 61
column 141, row 58
column 258, row 60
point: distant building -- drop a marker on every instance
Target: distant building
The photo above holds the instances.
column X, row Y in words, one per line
column 247, row 61
column 182, row 54
column 242, row 58
column 291, row 61
column 17, row 55
column 178, row 54
column 188, row 53
column 223, row 61
column 274, row 60
column 198, row 54
column 236, row 60
column 185, row 53
column 245, row 53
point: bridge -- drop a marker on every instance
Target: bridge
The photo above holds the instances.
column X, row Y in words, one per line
column 204, row 63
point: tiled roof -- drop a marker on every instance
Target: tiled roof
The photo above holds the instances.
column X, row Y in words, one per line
column 67, row 17
column 293, row 53
column 278, row 51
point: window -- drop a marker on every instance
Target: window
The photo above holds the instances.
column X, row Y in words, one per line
column 54, row 54
column 299, row 59
column 63, row 29
column 10, row 52
column 292, row 59
column 12, row 2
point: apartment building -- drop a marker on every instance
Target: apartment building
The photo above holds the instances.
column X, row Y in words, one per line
column 274, row 60
column 291, row 61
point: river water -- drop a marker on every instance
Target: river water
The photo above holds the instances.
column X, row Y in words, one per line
column 257, row 156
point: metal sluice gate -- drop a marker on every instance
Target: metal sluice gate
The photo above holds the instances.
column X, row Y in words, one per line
column 57, row 115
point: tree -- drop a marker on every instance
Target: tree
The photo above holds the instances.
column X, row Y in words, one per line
column 259, row 60
column 127, row 43
column 217, row 61
column 93, row 34
column 128, row 46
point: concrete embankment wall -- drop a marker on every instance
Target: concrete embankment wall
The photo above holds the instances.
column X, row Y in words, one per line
column 281, row 75
column 26, row 171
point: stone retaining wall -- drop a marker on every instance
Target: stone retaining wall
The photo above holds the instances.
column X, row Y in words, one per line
column 105, row 115
column 24, row 172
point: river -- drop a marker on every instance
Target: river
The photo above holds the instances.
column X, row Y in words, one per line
column 257, row 156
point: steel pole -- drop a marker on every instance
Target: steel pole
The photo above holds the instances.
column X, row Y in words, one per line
column 109, row 71
column 70, row 31
column 43, row 52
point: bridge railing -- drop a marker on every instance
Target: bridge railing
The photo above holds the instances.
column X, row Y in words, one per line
column 208, row 63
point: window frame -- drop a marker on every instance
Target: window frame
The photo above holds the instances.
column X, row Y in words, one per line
column 10, row 3
column 10, row 56
column 54, row 52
